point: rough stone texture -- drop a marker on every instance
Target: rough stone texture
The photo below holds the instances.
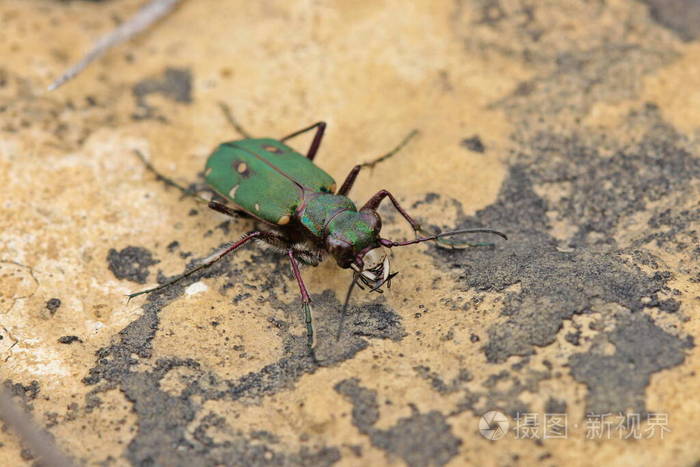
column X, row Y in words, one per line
column 573, row 126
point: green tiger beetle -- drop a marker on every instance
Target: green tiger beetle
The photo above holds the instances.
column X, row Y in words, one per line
column 301, row 213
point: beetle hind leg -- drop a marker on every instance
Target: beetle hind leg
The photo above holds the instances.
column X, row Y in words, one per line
column 205, row 263
column 169, row 181
column 223, row 209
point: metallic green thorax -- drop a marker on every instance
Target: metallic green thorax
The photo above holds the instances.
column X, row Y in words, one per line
column 326, row 215
column 320, row 208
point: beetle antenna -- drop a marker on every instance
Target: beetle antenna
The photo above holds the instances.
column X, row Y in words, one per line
column 345, row 307
column 391, row 243
column 228, row 114
column 391, row 153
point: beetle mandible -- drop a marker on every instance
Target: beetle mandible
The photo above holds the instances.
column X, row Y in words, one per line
column 300, row 212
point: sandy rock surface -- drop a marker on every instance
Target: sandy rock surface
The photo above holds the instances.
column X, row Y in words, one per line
column 570, row 125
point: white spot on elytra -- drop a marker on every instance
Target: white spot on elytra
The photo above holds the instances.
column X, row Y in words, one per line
column 232, row 193
column 257, row 207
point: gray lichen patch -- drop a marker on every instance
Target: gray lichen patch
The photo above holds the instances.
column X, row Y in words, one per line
column 175, row 84
column 130, row 263
column 579, row 201
column 420, row 439
column 616, row 382
column 681, row 16
column 556, row 284
column 164, row 416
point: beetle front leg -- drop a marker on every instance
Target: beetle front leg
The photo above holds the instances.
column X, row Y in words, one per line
column 305, row 301
column 376, row 200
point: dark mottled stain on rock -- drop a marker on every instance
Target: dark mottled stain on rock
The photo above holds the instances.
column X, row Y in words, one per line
column 130, row 263
column 676, row 229
column 555, row 406
column 555, row 285
column 53, row 304
column 69, row 339
column 593, row 182
column 420, row 440
column 163, row 419
column 463, row 376
column 24, row 394
column 605, row 181
column 175, row 84
column 681, row 16
column 573, row 338
column 474, row 144
column 616, row 382
column 255, row 450
column 502, row 392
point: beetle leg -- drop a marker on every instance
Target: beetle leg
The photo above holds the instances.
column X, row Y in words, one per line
column 223, row 209
column 375, row 200
column 169, row 181
column 207, row 262
column 305, row 301
column 313, row 149
column 350, row 179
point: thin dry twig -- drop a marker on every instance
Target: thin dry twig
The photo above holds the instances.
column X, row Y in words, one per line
column 145, row 17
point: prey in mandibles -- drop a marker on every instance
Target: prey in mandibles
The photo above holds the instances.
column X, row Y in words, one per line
column 301, row 212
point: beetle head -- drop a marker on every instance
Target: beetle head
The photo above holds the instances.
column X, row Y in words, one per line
column 354, row 242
